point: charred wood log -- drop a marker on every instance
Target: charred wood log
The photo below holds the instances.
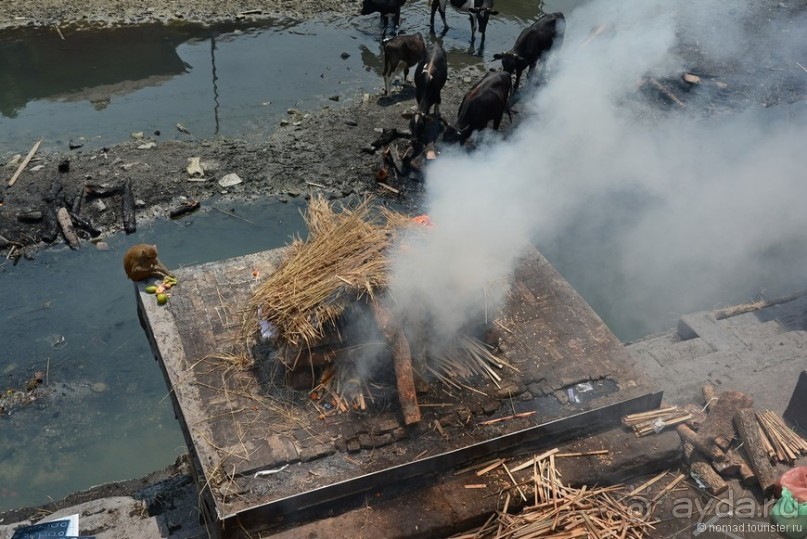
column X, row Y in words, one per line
column 388, row 135
column 33, row 216
column 101, row 190
column 185, row 207
column 75, row 205
column 128, row 208
column 50, row 225
column 402, row 360
column 52, row 196
column 85, row 225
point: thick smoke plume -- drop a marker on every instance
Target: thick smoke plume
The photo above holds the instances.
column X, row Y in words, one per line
column 657, row 209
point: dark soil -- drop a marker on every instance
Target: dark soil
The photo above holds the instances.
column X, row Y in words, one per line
column 328, row 151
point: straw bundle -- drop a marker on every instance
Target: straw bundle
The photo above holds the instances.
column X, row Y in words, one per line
column 343, row 260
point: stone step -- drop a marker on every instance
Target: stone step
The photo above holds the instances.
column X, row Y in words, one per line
column 704, row 325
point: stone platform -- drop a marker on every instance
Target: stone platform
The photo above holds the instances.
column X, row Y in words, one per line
column 266, row 458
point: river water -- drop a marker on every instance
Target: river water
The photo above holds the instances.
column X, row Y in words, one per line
column 73, row 314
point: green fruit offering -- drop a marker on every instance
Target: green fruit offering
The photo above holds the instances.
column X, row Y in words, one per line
column 151, row 289
column 162, row 299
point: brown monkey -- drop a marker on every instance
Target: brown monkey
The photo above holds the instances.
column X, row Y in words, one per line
column 141, row 262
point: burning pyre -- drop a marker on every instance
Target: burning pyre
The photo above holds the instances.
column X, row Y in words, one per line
column 335, row 328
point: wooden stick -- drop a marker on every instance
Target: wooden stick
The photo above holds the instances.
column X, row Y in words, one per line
column 492, row 466
column 583, row 453
column 535, row 459
column 507, row 418
column 643, row 486
column 515, row 483
column 477, row 485
column 24, row 163
column 646, row 430
column 641, row 416
column 389, row 187
column 671, row 485
column 474, row 466
column 666, row 91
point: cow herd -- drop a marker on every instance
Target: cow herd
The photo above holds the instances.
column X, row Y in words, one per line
column 488, row 99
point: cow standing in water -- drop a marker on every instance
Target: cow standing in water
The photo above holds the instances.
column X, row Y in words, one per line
column 401, row 52
column 430, row 77
column 533, row 44
column 486, row 101
column 479, row 11
column 387, row 8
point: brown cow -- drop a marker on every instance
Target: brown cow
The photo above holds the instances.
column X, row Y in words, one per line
column 401, row 52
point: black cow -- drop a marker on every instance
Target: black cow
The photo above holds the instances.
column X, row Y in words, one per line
column 479, row 11
column 532, row 44
column 387, row 8
column 401, row 52
column 486, row 101
column 430, row 77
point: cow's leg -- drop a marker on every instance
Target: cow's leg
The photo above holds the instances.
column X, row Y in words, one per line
column 518, row 79
column 531, row 72
column 388, row 73
column 473, row 27
column 397, row 20
column 406, row 73
column 384, row 23
column 438, row 5
column 498, row 119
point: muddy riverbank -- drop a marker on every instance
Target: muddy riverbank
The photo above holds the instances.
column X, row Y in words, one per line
column 125, row 12
column 326, row 151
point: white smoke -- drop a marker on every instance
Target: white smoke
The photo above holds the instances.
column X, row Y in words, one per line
column 693, row 199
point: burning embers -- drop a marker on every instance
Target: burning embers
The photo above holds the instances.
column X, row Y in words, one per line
column 339, row 337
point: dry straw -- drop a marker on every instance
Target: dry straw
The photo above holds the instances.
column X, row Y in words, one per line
column 343, row 259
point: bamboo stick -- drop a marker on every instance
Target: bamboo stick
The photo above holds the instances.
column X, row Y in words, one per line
column 583, row 453
column 507, row 418
column 647, row 484
column 671, row 485
column 24, row 163
column 493, row 466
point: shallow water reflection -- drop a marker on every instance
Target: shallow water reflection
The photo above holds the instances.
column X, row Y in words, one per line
column 96, row 87
column 73, row 315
